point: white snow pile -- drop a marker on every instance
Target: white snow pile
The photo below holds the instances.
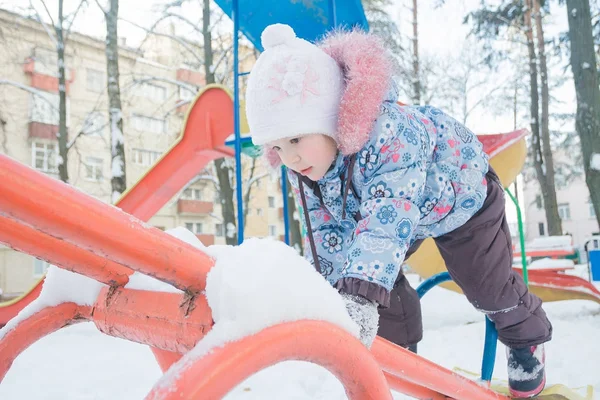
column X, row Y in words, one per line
column 60, row 286
column 261, row 283
column 564, row 242
column 595, row 161
column 551, row 263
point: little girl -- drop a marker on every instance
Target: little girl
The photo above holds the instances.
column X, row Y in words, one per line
column 376, row 178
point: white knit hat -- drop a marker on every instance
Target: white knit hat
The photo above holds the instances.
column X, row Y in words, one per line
column 294, row 88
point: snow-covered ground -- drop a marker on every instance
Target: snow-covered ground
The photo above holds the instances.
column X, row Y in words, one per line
column 79, row 363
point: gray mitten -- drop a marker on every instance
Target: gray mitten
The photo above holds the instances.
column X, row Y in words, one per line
column 364, row 313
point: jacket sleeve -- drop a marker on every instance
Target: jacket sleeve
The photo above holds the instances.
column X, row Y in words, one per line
column 322, row 228
column 393, row 166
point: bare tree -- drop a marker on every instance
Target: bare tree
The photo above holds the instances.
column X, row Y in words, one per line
column 59, row 36
column 585, row 76
column 518, row 17
column 118, row 174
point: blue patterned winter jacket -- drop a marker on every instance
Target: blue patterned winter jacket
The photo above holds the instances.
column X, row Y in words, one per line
column 421, row 174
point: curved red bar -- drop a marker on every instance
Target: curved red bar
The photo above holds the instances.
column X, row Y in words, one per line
column 401, row 362
column 74, row 217
column 42, row 323
column 322, row 343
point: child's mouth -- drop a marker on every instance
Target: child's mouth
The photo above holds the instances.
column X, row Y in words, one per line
column 306, row 171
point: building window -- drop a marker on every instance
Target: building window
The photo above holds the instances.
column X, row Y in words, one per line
column 186, row 94
column 259, row 212
column 538, row 202
column 93, row 124
column 195, row 227
column 192, row 194
column 143, row 123
column 94, row 80
column 219, row 231
column 40, row 267
column 564, row 212
column 541, row 229
column 44, row 157
column 272, row 230
column 145, row 157
column 93, row 168
column 154, row 93
column 271, row 202
column 44, row 108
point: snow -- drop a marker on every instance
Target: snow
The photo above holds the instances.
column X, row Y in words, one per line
column 595, row 161
column 117, row 167
column 140, row 281
column 115, row 196
column 551, row 263
column 54, row 369
column 564, row 242
column 230, row 230
column 574, row 13
column 60, row 286
column 585, row 65
column 234, row 292
column 115, row 133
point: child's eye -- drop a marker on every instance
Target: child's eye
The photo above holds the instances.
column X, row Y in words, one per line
column 294, row 140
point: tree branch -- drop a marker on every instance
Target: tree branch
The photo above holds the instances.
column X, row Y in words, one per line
column 72, row 20
column 41, row 21
column 47, row 11
column 172, row 37
column 104, row 10
column 29, row 89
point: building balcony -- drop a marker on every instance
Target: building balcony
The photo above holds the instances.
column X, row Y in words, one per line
column 37, row 130
column 207, row 240
column 194, row 207
column 193, row 77
column 42, row 81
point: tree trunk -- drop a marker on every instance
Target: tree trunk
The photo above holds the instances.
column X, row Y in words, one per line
column 63, row 136
column 585, row 76
column 550, row 202
column 538, row 157
column 224, row 171
column 249, row 191
column 226, row 192
column 294, row 217
column 416, row 74
column 118, row 179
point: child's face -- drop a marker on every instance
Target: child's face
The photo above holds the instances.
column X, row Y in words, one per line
column 309, row 155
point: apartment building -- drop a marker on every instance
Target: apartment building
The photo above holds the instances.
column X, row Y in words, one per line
column 157, row 83
column 574, row 207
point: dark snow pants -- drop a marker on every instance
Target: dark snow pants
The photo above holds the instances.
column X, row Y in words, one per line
column 478, row 256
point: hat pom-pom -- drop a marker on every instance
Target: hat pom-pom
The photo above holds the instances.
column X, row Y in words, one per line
column 277, row 34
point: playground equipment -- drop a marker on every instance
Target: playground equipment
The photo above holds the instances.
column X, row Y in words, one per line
column 77, row 232
column 84, row 235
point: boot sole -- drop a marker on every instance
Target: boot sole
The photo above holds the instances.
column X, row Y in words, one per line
column 531, row 393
